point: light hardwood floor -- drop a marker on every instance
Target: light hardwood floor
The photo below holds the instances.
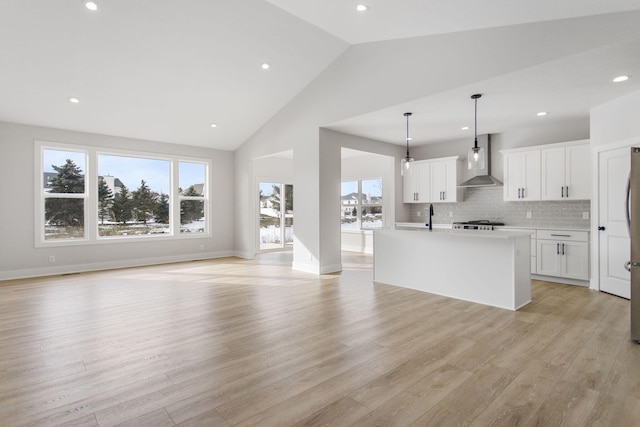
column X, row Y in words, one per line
column 253, row 343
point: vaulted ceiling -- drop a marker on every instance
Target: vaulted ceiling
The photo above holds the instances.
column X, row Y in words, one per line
column 166, row 71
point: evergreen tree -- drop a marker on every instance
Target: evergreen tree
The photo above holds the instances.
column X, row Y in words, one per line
column 275, row 197
column 123, row 206
column 61, row 211
column 162, row 209
column 191, row 210
column 144, row 202
column 105, row 199
column 354, row 212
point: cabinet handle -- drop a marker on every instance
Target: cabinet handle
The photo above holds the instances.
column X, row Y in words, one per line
column 567, row 191
column 557, row 248
column 561, row 235
column 444, row 197
column 523, row 192
column 563, row 249
column 519, row 190
column 562, row 192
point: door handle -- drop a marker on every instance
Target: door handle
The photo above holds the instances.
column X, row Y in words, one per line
column 627, row 265
column 601, row 228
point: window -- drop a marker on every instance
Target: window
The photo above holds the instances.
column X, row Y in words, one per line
column 90, row 195
column 276, row 216
column 361, row 204
column 192, row 197
column 132, row 196
column 63, row 187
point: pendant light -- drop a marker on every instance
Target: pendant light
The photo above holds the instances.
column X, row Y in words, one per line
column 475, row 157
column 405, row 164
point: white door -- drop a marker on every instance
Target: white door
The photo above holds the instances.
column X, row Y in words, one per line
column 614, row 251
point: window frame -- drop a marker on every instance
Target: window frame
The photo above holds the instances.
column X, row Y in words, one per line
column 91, row 215
column 359, row 205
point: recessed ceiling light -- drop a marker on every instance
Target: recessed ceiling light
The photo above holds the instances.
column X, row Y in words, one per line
column 621, row 79
column 266, row 66
column 92, row 5
column 465, row 128
column 214, row 125
column 74, row 100
column 542, row 113
column 362, row 8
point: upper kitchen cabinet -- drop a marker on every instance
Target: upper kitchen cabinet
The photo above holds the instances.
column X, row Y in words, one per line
column 521, row 174
column 417, row 183
column 432, row 181
column 566, row 171
column 445, row 176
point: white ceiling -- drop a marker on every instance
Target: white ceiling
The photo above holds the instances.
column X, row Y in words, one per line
column 164, row 70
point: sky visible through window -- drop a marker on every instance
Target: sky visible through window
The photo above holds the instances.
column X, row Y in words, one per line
column 372, row 187
column 131, row 170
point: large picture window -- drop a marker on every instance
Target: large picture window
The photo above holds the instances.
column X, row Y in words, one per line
column 361, row 204
column 89, row 194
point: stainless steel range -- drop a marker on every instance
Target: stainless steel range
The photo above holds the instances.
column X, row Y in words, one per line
column 481, row 224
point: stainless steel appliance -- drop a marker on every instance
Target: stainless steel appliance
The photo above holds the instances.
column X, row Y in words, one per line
column 482, row 225
column 633, row 223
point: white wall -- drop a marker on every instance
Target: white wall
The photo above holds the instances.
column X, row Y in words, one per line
column 20, row 258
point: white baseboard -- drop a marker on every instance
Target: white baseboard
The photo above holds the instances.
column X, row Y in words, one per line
column 111, row 265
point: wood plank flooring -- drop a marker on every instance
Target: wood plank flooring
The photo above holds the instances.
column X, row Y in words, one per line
column 252, row 343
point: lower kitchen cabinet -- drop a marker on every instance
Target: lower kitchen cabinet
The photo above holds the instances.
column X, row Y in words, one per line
column 563, row 254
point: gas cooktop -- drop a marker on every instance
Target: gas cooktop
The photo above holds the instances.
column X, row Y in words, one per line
column 480, row 224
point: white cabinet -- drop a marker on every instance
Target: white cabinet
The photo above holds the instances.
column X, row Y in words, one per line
column 417, row 183
column 563, row 254
column 522, row 175
column 565, row 172
column 444, row 181
column 432, row 181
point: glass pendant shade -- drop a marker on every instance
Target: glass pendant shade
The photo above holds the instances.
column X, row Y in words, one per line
column 475, row 158
column 405, row 165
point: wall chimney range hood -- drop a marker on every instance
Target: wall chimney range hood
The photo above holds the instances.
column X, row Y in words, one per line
column 484, row 178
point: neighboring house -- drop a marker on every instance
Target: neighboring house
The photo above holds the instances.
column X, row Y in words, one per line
column 199, row 188
column 112, row 182
column 350, row 199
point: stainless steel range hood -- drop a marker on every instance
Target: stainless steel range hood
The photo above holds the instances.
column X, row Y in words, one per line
column 484, row 178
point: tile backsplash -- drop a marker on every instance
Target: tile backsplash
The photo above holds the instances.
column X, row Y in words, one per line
column 487, row 203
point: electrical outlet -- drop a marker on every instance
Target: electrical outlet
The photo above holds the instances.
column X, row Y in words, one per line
column 52, row 259
column 450, row 214
column 529, row 214
column 202, row 247
column 585, row 215
column 418, row 213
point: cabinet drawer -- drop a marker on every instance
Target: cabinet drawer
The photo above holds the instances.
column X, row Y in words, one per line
column 570, row 236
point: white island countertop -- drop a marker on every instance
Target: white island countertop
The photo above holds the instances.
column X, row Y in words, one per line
column 485, row 267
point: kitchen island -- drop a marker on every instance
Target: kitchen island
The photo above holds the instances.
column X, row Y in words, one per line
column 485, row 267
